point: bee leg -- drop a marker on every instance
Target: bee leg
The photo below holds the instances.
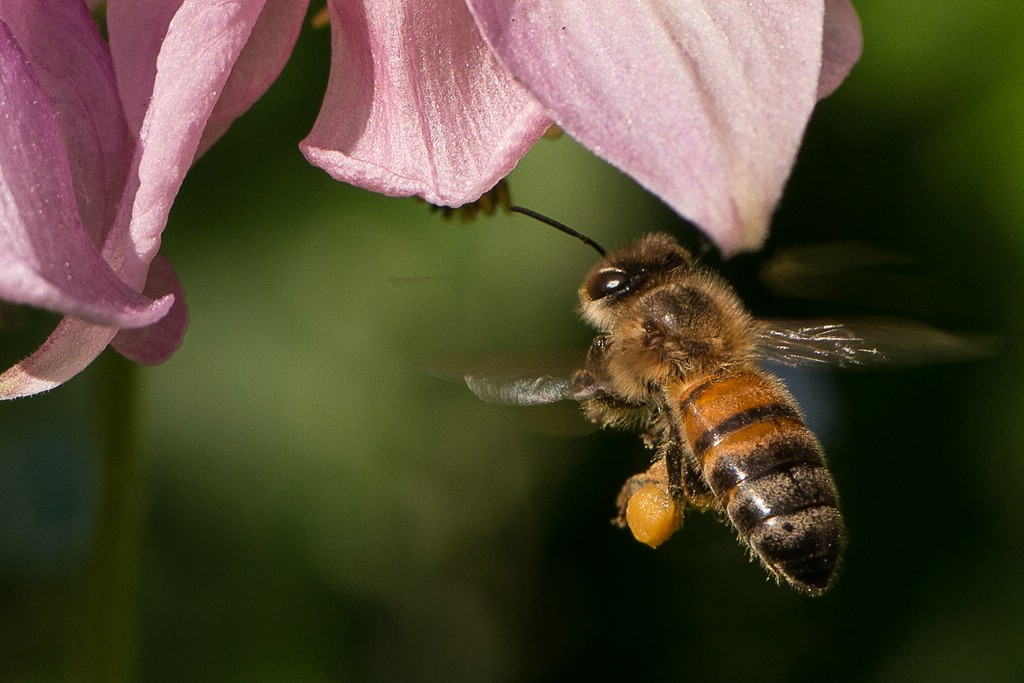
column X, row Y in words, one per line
column 654, row 476
column 591, row 381
column 695, row 487
column 648, row 508
column 686, row 479
column 674, row 463
column 603, row 407
column 657, row 473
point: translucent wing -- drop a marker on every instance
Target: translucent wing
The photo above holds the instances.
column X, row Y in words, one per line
column 518, row 378
column 862, row 274
column 520, row 391
column 866, row 342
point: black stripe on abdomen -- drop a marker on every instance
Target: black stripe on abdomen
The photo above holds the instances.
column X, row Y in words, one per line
column 729, row 470
column 783, row 492
column 744, row 418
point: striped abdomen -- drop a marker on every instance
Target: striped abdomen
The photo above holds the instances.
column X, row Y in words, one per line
column 767, row 472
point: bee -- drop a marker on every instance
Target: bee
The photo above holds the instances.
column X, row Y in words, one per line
column 677, row 357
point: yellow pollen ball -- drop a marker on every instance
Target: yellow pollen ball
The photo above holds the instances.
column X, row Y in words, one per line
column 652, row 515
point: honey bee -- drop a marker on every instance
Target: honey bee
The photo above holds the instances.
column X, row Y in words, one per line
column 677, row 358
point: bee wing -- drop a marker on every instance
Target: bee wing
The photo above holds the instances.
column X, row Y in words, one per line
column 520, row 391
column 858, row 343
column 517, row 378
column 862, row 274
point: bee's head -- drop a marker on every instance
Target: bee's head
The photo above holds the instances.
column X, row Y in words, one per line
column 624, row 273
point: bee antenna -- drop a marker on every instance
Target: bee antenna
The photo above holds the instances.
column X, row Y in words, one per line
column 559, row 226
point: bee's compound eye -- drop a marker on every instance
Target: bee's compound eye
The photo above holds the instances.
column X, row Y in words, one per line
column 652, row 515
column 606, row 282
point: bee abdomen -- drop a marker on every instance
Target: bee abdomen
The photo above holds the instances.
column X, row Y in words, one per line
column 768, row 473
column 787, row 512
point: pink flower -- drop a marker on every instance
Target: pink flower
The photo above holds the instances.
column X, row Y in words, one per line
column 94, row 143
column 704, row 102
column 418, row 105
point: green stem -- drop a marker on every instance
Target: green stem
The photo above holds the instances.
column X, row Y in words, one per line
column 112, row 633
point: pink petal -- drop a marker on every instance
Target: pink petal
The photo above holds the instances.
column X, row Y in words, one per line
column 841, row 45
column 154, row 344
column 416, row 105
column 703, row 102
column 73, row 65
column 46, row 257
column 259, row 65
column 137, row 29
column 67, row 351
column 203, row 42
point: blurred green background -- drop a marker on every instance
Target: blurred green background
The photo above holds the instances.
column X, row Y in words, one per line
column 319, row 506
